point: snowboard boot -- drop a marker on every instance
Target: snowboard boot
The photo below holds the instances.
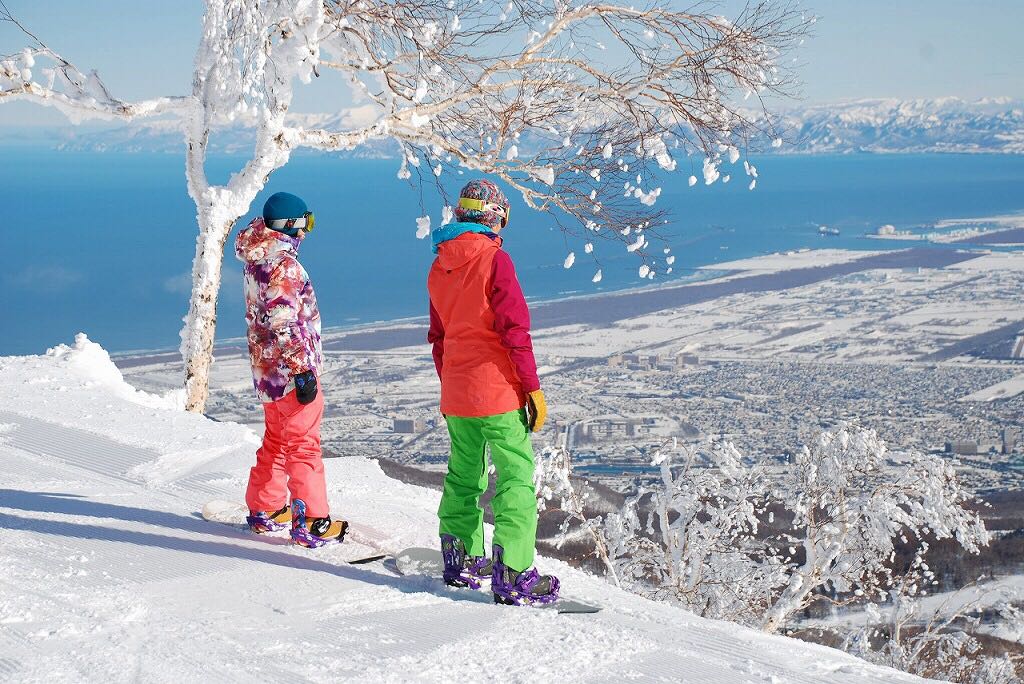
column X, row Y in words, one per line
column 524, row 588
column 269, row 521
column 315, row 532
column 461, row 570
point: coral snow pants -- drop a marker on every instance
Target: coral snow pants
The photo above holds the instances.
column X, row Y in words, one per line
column 289, row 464
column 515, row 500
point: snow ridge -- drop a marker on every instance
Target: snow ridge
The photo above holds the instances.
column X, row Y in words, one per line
column 108, row 574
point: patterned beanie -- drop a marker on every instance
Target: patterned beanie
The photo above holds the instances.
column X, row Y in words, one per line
column 487, row 192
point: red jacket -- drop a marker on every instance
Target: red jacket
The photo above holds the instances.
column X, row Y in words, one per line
column 480, row 329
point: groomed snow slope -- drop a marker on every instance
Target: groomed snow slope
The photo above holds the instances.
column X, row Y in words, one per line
column 107, row 573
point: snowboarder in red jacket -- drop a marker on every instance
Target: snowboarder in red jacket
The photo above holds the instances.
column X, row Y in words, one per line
column 490, row 398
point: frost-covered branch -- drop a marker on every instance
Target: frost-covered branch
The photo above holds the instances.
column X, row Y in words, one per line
column 852, row 502
column 39, row 74
column 936, row 644
column 579, row 109
column 557, row 492
column 693, row 537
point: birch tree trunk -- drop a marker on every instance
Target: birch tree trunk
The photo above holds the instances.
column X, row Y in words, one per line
column 218, row 208
column 199, row 332
column 197, row 337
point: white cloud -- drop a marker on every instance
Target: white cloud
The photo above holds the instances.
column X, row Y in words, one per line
column 49, row 278
column 179, row 284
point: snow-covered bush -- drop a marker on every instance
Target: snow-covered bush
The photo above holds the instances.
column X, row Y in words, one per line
column 933, row 644
column 697, row 543
column 852, row 501
column 557, row 492
column 756, row 542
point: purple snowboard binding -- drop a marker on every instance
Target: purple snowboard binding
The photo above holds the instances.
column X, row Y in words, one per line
column 319, row 531
column 461, row 570
column 524, row 588
column 262, row 522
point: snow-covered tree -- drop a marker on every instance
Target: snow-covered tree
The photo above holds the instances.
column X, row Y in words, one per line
column 937, row 643
column 755, row 542
column 852, row 501
column 576, row 107
column 698, row 543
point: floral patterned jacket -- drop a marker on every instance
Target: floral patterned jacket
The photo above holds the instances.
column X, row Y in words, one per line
column 280, row 308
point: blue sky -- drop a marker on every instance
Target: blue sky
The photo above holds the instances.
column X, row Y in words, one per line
column 860, row 48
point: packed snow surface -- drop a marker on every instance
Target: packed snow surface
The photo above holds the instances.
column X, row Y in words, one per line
column 108, row 573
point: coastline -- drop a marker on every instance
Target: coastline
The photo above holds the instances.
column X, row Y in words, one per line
column 767, row 273
column 763, row 273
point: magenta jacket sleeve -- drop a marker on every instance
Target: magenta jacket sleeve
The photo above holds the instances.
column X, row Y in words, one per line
column 435, row 336
column 512, row 320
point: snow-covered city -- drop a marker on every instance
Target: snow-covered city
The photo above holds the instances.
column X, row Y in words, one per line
column 929, row 357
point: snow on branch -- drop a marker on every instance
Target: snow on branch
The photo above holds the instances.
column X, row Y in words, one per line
column 853, row 501
column 41, row 75
column 756, row 542
column 939, row 643
column 692, row 538
column 556, row 492
column 579, row 109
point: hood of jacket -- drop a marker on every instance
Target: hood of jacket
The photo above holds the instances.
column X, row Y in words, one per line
column 257, row 243
column 450, row 231
column 459, row 251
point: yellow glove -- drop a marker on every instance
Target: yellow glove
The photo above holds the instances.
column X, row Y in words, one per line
column 536, row 410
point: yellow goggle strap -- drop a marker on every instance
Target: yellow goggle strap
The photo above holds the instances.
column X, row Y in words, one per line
column 480, row 205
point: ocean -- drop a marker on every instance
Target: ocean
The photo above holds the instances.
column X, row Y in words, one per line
column 103, row 242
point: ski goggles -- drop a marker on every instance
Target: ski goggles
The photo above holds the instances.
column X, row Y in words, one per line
column 480, row 205
column 304, row 222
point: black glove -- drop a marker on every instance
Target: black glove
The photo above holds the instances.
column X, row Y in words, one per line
column 305, row 387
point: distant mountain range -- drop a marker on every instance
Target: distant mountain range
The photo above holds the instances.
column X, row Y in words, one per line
column 165, row 136
column 938, row 125
column 993, row 125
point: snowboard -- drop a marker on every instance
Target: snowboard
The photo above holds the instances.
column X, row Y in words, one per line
column 225, row 512
column 234, row 514
column 423, row 561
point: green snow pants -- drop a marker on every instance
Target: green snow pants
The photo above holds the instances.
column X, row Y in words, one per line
column 515, row 500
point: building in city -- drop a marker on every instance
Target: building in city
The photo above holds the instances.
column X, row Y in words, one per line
column 649, row 362
column 616, row 428
column 962, row 447
column 1009, row 438
column 409, row 426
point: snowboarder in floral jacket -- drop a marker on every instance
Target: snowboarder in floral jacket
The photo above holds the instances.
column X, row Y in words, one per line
column 490, row 398
column 287, row 483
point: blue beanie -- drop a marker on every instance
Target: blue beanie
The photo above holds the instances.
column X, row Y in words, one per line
column 283, row 205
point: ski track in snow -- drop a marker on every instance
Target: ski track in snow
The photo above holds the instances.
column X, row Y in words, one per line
column 107, row 573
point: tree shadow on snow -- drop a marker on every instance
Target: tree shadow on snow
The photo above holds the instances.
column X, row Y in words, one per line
column 73, row 504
